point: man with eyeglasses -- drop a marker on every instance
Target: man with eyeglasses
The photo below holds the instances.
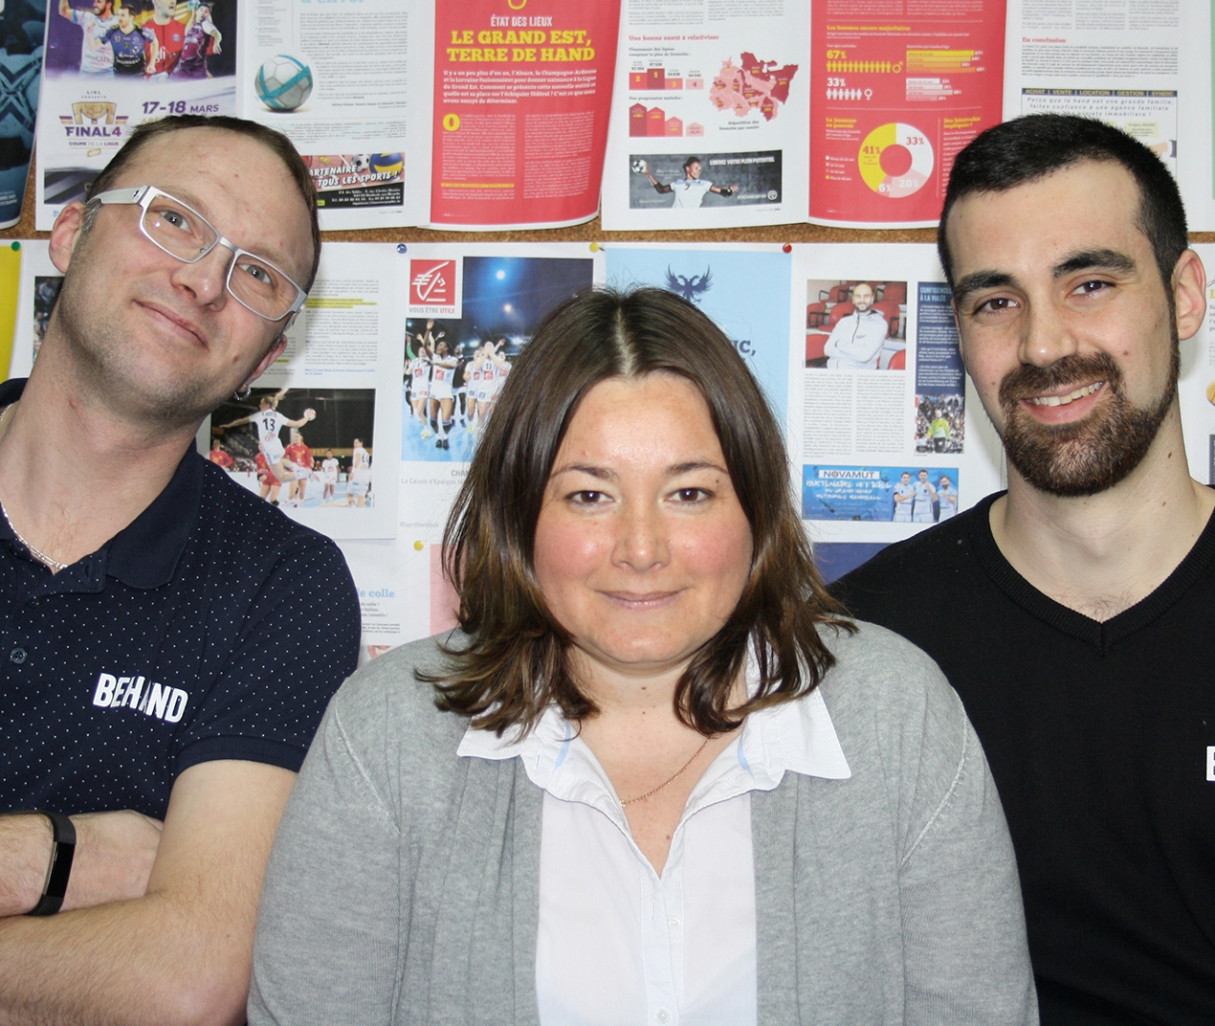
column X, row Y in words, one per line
column 153, row 714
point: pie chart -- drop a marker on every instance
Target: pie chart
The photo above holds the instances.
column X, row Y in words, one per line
column 895, row 160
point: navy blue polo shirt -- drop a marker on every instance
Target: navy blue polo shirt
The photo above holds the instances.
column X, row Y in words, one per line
column 212, row 627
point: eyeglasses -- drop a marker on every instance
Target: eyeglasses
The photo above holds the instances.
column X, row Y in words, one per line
column 182, row 232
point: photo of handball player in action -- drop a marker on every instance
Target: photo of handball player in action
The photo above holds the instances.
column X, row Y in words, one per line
column 269, row 421
column 286, row 466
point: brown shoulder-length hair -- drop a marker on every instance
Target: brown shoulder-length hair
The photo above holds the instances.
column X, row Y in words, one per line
column 515, row 662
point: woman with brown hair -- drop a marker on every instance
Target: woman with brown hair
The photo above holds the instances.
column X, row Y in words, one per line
column 655, row 777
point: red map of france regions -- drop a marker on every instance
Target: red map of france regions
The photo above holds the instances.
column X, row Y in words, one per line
column 752, row 85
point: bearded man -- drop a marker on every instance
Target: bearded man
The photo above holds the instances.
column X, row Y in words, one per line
column 1078, row 603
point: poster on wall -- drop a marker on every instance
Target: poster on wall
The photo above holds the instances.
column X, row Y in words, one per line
column 520, row 111
column 110, row 66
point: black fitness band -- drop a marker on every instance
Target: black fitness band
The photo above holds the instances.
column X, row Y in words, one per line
column 63, row 848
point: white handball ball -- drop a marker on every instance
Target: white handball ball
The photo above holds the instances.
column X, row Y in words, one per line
column 283, row 82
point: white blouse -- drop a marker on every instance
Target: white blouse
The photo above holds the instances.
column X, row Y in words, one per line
column 620, row 944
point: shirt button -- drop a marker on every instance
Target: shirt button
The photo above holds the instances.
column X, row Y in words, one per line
column 673, row 922
column 17, row 655
column 663, row 1015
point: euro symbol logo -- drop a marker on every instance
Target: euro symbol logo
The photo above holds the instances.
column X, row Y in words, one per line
column 429, row 282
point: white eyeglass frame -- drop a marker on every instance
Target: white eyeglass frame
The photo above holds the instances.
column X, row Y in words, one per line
column 142, row 196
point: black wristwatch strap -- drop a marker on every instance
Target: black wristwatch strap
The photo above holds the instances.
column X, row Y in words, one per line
column 63, row 848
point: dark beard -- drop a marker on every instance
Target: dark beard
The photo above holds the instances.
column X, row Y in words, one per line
column 1089, row 456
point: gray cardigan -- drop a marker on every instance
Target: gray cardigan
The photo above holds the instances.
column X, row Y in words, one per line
column 403, row 886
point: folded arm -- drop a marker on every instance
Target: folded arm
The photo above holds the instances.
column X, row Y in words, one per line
column 178, row 953
column 113, row 859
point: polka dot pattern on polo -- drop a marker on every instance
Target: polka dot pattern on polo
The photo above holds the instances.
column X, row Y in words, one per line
column 213, row 627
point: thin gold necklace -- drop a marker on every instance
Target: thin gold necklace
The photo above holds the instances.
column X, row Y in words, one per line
column 655, row 790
